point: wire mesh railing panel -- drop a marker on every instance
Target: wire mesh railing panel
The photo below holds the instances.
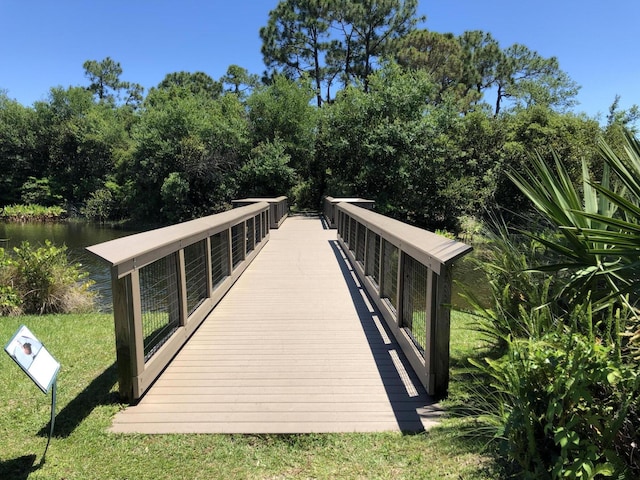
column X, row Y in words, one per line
column 414, row 301
column 160, row 303
column 237, row 243
column 195, row 266
column 352, row 234
column 389, row 288
column 219, row 257
column 265, row 223
column 256, row 230
column 361, row 235
column 249, row 235
column 372, row 267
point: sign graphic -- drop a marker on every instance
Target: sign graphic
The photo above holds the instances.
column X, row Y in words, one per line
column 33, row 358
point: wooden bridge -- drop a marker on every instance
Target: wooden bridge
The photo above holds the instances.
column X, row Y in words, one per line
column 286, row 339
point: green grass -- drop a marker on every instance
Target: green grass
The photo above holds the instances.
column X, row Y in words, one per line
column 82, row 447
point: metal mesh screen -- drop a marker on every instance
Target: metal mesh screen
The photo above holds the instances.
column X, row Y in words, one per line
column 361, row 235
column 266, row 223
column 160, row 303
column 372, row 267
column 195, row 266
column 237, row 244
column 352, row 234
column 250, row 235
column 414, row 301
column 219, row 257
column 256, row 225
column 390, row 273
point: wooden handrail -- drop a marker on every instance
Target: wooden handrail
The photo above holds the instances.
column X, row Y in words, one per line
column 329, row 207
column 415, row 308
column 236, row 234
column 279, row 207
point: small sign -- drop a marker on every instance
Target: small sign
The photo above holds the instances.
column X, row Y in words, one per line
column 33, row 358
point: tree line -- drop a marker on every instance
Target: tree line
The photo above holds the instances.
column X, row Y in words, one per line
column 356, row 99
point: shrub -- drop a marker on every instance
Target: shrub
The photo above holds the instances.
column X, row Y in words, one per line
column 568, row 409
column 10, row 303
column 34, row 212
column 99, row 205
column 41, row 280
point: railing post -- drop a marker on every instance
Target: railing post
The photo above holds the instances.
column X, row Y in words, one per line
column 438, row 330
column 128, row 332
column 181, row 277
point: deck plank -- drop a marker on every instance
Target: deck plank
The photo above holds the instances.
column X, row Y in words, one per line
column 294, row 347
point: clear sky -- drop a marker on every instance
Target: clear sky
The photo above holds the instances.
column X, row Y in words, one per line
column 43, row 43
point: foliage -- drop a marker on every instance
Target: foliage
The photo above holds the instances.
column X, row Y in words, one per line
column 99, row 206
column 44, row 281
column 174, row 192
column 18, row 152
column 564, row 397
column 10, row 302
column 38, row 191
column 282, row 111
column 598, row 233
column 33, row 213
column 106, row 84
column 198, row 83
column 201, row 139
column 567, row 408
column 239, row 80
column 267, row 173
column 329, row 40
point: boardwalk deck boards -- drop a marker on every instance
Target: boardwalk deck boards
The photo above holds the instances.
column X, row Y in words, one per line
column 293, row 347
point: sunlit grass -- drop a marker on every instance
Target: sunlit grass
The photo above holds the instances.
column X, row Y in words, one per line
column 82, row 447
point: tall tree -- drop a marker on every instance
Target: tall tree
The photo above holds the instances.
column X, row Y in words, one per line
column 239, row 80
column 528, row 78
column 481, row 55
column 295, row 39
column 106, row 84
column 441, row 56
column 327, row 39
column 371, row 25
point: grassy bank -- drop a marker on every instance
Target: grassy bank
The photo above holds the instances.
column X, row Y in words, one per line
column 82, row 447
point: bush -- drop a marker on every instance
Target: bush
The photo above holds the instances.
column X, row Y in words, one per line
column 41, row 280
column 33, row 212
column 10, row 303
column 99, row 205
column 568, row 409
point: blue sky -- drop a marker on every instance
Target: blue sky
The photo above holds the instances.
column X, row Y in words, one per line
column 44, row 43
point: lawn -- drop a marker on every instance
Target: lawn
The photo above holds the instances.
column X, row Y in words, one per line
column 82, row 447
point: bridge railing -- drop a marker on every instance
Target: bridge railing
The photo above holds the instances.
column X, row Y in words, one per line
column 408, row 273
column 278, row 208
column 166, row 281
column 329, row 205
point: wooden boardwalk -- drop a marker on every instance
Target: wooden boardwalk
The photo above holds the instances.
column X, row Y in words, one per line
column 294, row 347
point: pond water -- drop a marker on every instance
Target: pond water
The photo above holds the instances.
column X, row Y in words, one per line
column 78, row 235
